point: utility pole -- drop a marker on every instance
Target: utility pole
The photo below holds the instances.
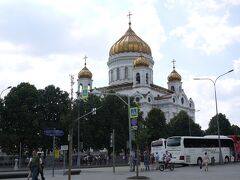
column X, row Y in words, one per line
column 113, row 145
column 70, row 132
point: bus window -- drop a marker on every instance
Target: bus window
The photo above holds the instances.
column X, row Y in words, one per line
column 174, row 141
column 157, row 143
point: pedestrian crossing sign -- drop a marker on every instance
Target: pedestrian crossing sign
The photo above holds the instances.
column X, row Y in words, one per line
column 134, row 112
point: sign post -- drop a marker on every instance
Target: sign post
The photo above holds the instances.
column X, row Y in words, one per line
column 53, row 133
column 64, row 148
column 134, row 116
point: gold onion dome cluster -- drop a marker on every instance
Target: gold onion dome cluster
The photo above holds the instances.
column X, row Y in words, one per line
column 130, row 42
column 174, row 76
column 140, row 61
column 85, row 73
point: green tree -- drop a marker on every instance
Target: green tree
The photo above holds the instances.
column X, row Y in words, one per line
column 235, row 129
column 90, row 125
column 224, row 125
column 95, row 130
column 155, row 125
column 52, row 104
column 114, row 116
column 183, row 125
column 20, row 118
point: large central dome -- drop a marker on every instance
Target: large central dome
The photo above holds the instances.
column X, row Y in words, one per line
column 130, row 42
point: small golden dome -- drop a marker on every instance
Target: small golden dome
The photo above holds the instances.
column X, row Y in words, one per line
column 85, row 73
column 174, row 76
column 130, row 42
column 140, row 61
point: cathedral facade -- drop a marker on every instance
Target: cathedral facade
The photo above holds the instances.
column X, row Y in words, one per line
column 130, row 73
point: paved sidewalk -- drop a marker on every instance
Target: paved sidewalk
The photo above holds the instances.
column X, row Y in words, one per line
column 223, row 172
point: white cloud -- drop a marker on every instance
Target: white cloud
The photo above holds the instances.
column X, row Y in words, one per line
column 236, row 65
column 202, row 93
column 201, row 6
column 7, row 48
column 210, row 34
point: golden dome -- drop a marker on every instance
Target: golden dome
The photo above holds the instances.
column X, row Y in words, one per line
column 140, row 61
column 85, row 73
column 174, row 76
column 130, row 42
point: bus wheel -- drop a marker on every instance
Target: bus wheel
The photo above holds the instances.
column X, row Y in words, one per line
column 226, row 160
column 199, row 161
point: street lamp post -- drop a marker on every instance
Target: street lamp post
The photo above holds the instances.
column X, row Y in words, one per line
column 9, row 87
column 78, row 138
column 215, row 94
column 129, row 120
column 189, row 127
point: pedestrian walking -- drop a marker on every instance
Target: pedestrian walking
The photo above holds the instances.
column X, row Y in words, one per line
column 206, row 161
column 157, row 161
column 30, row 169
column 146, row 160
column 34, row 165
column 41, row 166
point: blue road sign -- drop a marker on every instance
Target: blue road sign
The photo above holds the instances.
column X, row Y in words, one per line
column 134, row 112
column 54, row 132
column 133, row 121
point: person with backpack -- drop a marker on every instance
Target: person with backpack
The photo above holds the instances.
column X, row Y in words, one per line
column 34, row 165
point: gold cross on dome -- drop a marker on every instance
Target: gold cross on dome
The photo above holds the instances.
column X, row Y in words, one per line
column 173, row 61
column 129, row 16
column 85, row 58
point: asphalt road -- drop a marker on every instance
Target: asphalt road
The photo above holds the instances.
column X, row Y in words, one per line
column 218, row 172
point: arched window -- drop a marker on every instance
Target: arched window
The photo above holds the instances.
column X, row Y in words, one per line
column 172, row 88
column 182, row 100
column 89, row 87
column 126, row 73
column 118, row 74
column 80, row 88
column 138, row 78
column 111, row 75
column 149, row 99
column 137, row 99
column 173, row 100
column 146, row 78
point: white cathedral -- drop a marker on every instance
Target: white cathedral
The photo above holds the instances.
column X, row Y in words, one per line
column 130, row 73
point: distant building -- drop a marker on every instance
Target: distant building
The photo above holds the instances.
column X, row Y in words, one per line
column 130, row 65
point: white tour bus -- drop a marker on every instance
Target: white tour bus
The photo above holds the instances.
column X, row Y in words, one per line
column 158, row 146
column 190, row 149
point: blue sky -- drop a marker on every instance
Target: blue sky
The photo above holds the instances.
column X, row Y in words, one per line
column 42, row 42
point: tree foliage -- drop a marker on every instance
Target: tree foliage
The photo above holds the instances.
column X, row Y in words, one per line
column 155, row 125
column 20, row 116
column 235, row 129
column 183, row 125
column 224, row 125
column 27, row 113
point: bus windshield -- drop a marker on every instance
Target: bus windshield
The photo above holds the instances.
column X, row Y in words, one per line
column 174, row 141
column 157, row 143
